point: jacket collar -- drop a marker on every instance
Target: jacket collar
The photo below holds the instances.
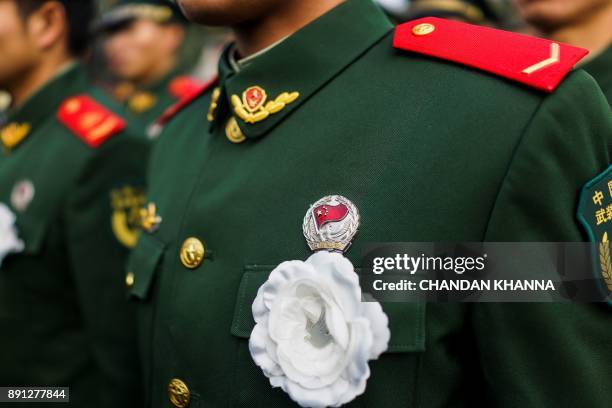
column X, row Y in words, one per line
column 296, row 68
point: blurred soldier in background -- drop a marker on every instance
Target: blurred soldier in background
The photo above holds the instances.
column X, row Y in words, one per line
column 584, row 23
column 70, row 186
column 142, row 39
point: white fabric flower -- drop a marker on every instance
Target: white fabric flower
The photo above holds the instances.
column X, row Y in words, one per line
column 313, row 336
column 9, row 241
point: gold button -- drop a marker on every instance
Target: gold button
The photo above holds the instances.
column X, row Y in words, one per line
column 192, row 253
column 233, row 132
column 423, row 29
column 129, row 279
column 178, row 393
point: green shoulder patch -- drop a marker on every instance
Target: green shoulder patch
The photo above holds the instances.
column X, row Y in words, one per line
column 595, row 215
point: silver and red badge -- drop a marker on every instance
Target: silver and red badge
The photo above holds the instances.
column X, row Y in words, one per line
column 313, row 334
column 331, row 223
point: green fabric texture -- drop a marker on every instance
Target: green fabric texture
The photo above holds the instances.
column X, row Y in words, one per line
column 428, row 151
column 63, row 315
column 601, row 69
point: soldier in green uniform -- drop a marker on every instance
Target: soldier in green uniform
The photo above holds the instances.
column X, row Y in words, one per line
column 142, row 39
column 585, row 23
column 71, row 183
column 432, row 131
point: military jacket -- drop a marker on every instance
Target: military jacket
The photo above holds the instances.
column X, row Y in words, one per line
column 70, row 175
column 427, row 150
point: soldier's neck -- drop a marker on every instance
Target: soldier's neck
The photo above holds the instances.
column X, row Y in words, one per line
column 36, row 78
column 257, row 35
column 592, row 33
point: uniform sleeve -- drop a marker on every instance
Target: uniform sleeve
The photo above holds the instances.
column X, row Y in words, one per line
column 98, row 246
column 546, row 354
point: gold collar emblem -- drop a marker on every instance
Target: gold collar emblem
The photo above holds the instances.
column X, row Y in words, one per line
column 14, row 133
column 214, row 102
column 254, row 106
column 142, row 102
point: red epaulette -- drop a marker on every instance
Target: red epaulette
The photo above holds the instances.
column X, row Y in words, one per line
column 183, row 85
column 89, row 120
column 536, row 62
column 184, row 101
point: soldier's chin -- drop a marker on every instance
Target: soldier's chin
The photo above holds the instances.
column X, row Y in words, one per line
column 216, row 12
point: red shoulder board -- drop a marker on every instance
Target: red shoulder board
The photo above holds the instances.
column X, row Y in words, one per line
column 183, row 85
column 89, row 120
column 536, row 62
column 184, row 101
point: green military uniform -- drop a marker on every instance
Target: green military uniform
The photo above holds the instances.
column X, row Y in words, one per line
column 69, row 177
column 146, row 103
column 427, row 150
column 601, row 69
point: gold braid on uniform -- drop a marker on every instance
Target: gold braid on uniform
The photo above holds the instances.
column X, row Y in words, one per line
column 605, row 262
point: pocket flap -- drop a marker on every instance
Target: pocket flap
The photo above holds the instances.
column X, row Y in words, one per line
column 406, row 320
column 143, row 262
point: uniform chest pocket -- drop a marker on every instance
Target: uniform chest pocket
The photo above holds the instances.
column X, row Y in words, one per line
column 394, row 373
column 406, row 320
column 142, row 265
